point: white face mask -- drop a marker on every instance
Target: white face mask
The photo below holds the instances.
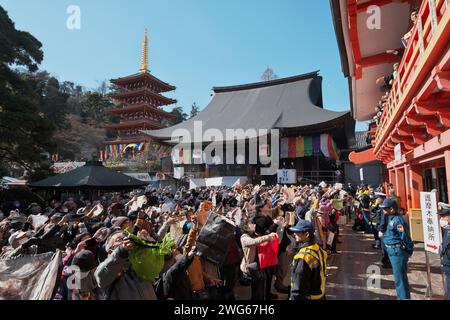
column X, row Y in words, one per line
column 444, row 224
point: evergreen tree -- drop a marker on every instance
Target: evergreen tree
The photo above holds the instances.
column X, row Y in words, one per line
column 194, row 110
column 179, row 114
column 25, row 130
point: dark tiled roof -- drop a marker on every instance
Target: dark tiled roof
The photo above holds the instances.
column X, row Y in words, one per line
column 294, row 102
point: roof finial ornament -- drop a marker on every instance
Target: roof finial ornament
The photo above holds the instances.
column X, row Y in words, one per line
column 144, row 62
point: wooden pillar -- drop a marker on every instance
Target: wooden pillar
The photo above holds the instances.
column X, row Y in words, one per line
column 447, row 170
column 416, row 185
column 206, row 171
column 406, row 170
column 392, row 180
column 385, row 175
column 400, row 187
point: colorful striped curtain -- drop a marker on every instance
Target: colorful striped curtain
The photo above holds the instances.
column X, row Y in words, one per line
column 284, row 148
column 292, row 145
column 324, row 145
column 308, row 146
column 334, row 151
column 316, row 144
column 300, row 144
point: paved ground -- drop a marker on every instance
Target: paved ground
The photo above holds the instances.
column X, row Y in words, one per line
column 348, row 277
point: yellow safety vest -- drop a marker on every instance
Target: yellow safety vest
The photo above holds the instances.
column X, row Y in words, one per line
column 315, row 257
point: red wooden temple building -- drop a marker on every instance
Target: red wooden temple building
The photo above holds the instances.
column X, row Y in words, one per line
column 411, row 133
column 141, row 102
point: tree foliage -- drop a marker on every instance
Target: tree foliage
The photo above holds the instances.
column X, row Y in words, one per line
column 94, row 105
column 25, row 130
column 268, row 74
column 179, row 116
column 194, row 110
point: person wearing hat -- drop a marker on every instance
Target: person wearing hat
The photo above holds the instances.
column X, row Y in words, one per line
column 444, row 221
column 86, row 262
column 381, row 223
column 121, row 223
column 376, row 218
column 399, row 247
column 78, row 281
column 309, row 267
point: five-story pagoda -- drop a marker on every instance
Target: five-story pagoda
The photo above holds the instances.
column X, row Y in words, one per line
column 141, row 100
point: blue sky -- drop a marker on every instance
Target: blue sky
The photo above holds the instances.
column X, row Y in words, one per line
column 194, row 44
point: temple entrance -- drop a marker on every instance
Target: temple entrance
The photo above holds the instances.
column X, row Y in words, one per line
column 436, row 178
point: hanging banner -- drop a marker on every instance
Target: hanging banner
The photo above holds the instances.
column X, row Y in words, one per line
column 398, row 152
column 178, row 172
column 177, row 155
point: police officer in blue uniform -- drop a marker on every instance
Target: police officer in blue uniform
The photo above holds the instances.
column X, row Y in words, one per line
column 399, row 247
column 444, row 212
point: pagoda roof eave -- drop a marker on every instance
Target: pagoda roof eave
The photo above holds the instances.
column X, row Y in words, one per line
column 127, row 140
column 135, row 124
column 134, row 77
column 123, row 95
column 132, row 108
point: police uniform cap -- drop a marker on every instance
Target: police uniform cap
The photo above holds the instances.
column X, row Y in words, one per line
column 388, row 203
column 303, row 226
column 443, row 209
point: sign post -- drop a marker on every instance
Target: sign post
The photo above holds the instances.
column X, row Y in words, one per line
column 288, row 176
column 431, row 230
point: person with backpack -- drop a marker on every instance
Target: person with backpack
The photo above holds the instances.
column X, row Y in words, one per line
column 399, row 247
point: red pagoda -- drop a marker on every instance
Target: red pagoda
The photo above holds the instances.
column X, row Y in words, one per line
column 141, row 98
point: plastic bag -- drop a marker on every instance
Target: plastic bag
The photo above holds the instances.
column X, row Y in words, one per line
column 268, row 254
column 147, row 259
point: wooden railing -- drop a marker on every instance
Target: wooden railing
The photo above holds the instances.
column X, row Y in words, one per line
column 415, row 66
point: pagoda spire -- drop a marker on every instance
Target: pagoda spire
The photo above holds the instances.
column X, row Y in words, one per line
column 144, row 60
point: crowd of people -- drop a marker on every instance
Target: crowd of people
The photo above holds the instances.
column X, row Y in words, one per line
column 205, row 243
column 100, row 238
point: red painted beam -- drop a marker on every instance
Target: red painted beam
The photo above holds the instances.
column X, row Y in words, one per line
column 354, row 40
column 362, row 7
column 362, row 157
column 380, row 58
